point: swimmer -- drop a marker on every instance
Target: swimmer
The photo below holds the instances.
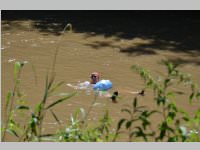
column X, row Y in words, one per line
column 95, row 78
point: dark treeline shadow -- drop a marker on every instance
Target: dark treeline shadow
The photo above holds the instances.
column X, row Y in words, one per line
column 177, row 31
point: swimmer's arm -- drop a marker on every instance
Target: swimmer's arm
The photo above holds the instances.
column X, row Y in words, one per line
column 72, row 86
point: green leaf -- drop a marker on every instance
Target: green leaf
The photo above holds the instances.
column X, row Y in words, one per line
column 17, row 67
column 173, row 139
column 12, row 124
column 191, row 97
column 120, row 123
column 170, row 67
column 145, row 122
column 144, row 113
column 185, row 118
column 12, row 132
column 8, row 98
column 170, row 117
column 60, row 100
column 162, row 133
column 169, row 120
column 170, row 94
column 161, row 99
column 22, row 107
column 186, row 115
column 166, row 82
column 78, row 111
column 126, row 110
column 140, row 133
column 163, row 129
column 172, row 106
column 38, row 108
column 128, row 124
column 135, row 102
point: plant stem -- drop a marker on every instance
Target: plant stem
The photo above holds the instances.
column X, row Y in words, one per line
column 10, row 107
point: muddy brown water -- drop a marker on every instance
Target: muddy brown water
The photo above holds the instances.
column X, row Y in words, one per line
column 79, row 55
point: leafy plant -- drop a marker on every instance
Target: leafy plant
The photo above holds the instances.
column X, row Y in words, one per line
column 137, row 123
column 32, row 130
column 10, row 125
column 170, row 127
column 76, row 131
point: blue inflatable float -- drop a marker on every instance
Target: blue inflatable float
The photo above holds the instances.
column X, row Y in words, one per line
column 103, row 85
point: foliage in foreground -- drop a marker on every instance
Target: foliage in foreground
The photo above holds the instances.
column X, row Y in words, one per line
column 174, row 124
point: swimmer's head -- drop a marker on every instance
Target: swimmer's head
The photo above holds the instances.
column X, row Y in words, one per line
column 94, row 77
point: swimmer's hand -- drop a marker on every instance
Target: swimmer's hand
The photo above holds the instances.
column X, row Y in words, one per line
column 114, row 97
column 141, row 93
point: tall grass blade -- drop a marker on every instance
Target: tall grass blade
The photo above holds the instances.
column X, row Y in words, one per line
column 55, row 117
column 8, row 98
column 60, row 100
column 56, row 86
column 12, row 132
column 120, row 123
column 46, row 91
column 126, row 110
column 22, row 107
column 78, row 111
column 51, row 80
column 135, row 103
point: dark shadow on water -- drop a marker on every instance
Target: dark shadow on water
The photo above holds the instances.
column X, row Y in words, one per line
column 101, row 44
column 177, row 31
column 182, row 61
column 138, row 51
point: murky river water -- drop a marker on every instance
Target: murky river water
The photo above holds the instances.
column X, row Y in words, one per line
column 79, row 55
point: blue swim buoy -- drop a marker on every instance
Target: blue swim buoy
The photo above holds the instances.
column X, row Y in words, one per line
column 103, row 85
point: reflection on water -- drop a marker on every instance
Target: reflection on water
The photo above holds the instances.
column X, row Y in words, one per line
column 79, row 55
